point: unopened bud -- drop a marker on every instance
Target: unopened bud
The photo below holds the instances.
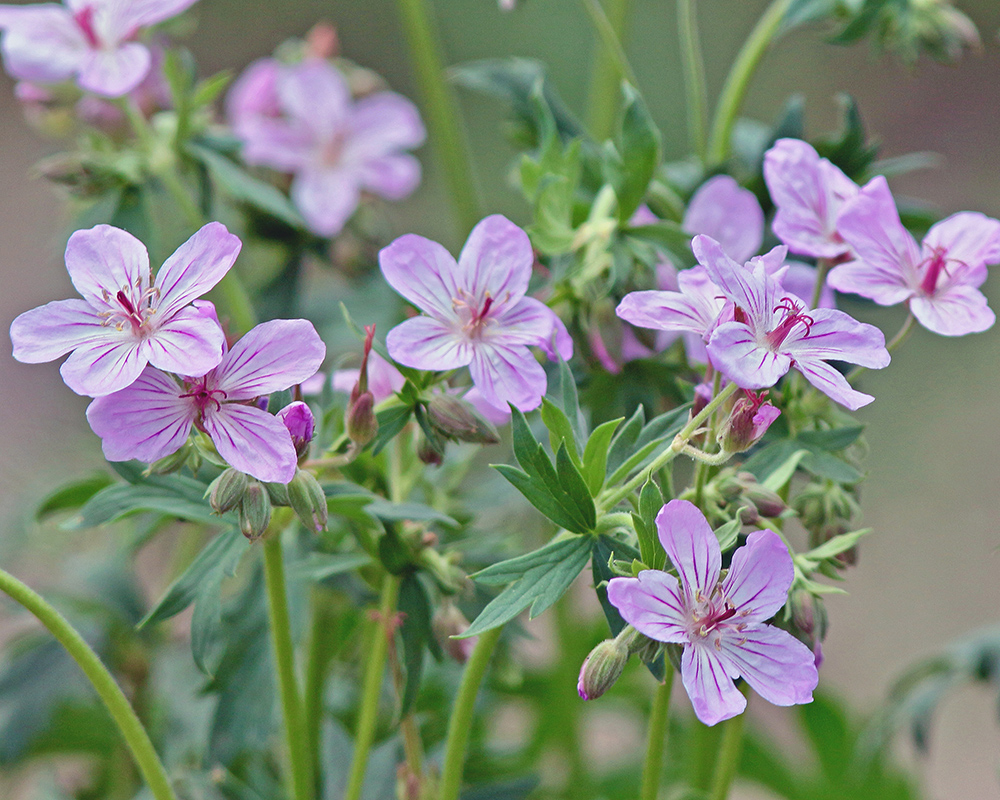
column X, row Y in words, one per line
column 768, row 503
column 449, row 622
column 361, row 422
column 429, row 454
column 747, row 423
column 226, row 491
column 171, row 463
column 307, row 499
column 454, row 418
column 278, row 493
column 254, row 511
column 299, row 420
column 602, row 668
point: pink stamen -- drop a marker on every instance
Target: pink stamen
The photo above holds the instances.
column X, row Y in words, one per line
column 793, row 317
column 203, row 396
column 85, row 19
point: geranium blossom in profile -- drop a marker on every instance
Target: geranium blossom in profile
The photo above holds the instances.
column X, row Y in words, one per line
column 126, row 320
column 773, row 331
column 153, row 417
column 809, row 192
column 721, row 624
column 335, row 147
column 476, row 312
column 92, row 41
column 940, row 279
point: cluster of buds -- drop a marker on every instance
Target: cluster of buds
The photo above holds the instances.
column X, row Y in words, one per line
column 808, row 621
column 732, row 492
column 248, row 497
column 828, row 510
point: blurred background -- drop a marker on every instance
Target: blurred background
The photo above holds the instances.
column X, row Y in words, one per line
column 927, row 576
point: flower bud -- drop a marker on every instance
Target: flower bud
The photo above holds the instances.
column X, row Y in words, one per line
column 361, row 422
column 226, row 491
column 455, row 419
column 448, row 622
column 747, row 423
column 768, row 503
column 173, row 462
column 602, row 668
column 298, row 418
column 307, row 499
column 254, row 511
column 428, row 453
column 278, row 493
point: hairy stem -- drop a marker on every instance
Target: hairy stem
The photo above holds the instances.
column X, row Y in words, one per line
column 104, row 684
column 693, row 64
column 460, row 724
column 652, row 769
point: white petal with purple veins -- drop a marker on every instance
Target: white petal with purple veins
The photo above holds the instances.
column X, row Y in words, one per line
column 424, row 273
column 103, row 367
column 777, row 666
column 691, row 546
column 252, row 441
column 114, row 72
column 269, row 358
column 195, row 268
column 50, row 331
column 186, row 345
column 759, row 577
column 653, row 604
column 426, row 343
column 105, row 259
column 497, row 258
column 508, row 375
column 713, row 693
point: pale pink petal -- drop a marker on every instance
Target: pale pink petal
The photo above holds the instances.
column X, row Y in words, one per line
column 188, row 344
column 968, row 238
column 779, row 667
column 955, row 312
column 760, row 575
column 50, row 331
column 392, row 177
column 41, row 43
column 652, row 603
column 326, row 198
column 737, row 355
column 669, row 311
column 106, row 259
column 272, row 356
column 426, row 343
column 713, row 694
column 315, row 94
column 381, row 124
column 829, row 381
column 508, row 375
column 193, row 269
column 748, row 289
column 691, row 546
column 887, row 287
column 255, row 93
column 252, row 441
column 144, row 13
column 730, row 214
column 497, row 258
column 833, row 334
column 424, row 273
column 492, row 414
column 103, row 366
column 146, row 421
column 275, row 143
column 529, row 322
column 114, row 72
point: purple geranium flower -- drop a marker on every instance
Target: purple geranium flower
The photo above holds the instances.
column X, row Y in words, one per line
column 125, row 320
column 730, row 214
column 773, row 331
column 153, row 417
column 477, row 312
column 940, row 279
column 809, row 192
column 720, row 624
column 90, row 40
column 335, row 147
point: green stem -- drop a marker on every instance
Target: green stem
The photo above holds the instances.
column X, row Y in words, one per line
column 652, row 769
column 322, row 647
column 613, row 498
column 701, row 468
column 111, row 695
column 822, row 267
column 460, row 724
column 611, row 65
column 735, row 87
column 728, row 758
column 705, row 749
column 296, row 736
column 693, row 64
column 371, row 689
column 440, row 110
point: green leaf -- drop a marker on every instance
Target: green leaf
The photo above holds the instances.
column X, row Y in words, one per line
column 416, row 512
column 640, row 149
column 836, row 545
column 540, row 498
column 221, row 554
column 536, row 579
column 571, row 401
column 650, row 441
column 595, row 455
column 728, row 533
column 650, row 548
column 831, row 440
column 667, row 236
column 211, row 88
column 575, row 488
column 319, row 566
column 120, row 500
column 560, row 430
column 552, row 231
column 72, row 495
column 623, row 442
column 244, row 187
column 390, row 422
column 415, row 634
column 206, row 620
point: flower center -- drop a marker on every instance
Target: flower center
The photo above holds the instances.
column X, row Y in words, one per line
column 793, row 316
column 936, row 264
column 332, row 150
column 130, row 305
column 715, row 614
column 85, row 19
column 203, row 396
column 474, row 316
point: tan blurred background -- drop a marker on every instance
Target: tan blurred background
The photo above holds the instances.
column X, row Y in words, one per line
column 928, row 576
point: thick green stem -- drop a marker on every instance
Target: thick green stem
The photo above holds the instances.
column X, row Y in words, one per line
column 614, row 497
column 440, row 110
column 111, row 695
column 322, row 648
column 652, row 769
column 371, row 689
column 611, row 65
column 735, row 87
column 301, row 780
column 460, row 724
column 693, row 64
column 822, row 267
column 728, row 758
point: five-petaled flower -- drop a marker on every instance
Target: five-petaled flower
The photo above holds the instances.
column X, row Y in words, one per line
column 773, row 331
column 153, row 417
column 721, row 624
column 477, row 314
column 90, row 40
column 301, row 119
column 940, row 279
column 125, row 320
